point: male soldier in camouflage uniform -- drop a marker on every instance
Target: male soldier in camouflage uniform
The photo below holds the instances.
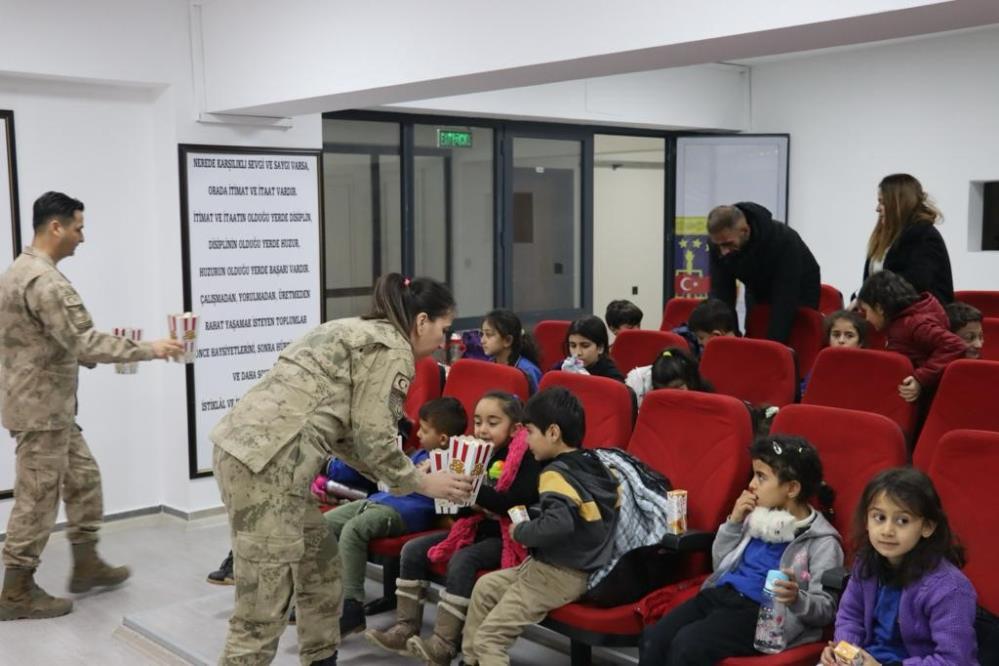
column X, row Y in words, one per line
column 339, row 390
column 45, row 335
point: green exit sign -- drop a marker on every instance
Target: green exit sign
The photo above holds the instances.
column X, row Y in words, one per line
column 453, row 138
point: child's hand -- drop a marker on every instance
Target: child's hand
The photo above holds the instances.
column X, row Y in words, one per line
column 828, row 658
column 909, row 389
column 743, row 506
column 786, row 591
column 513, row 526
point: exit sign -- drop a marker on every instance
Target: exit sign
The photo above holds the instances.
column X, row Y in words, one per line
column 453, row 139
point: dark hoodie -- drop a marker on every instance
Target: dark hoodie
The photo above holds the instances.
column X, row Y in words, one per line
column 775, row 265
column 922, row 332
column 605, row 367
column 578, row 513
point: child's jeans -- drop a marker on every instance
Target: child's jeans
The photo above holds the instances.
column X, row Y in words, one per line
column 504, row 602
column 461, row 568
column 355, row 524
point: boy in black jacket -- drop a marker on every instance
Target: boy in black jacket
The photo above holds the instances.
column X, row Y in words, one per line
column 570, row 535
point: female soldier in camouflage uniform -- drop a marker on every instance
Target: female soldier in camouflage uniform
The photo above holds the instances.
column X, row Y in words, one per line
column 337, row 391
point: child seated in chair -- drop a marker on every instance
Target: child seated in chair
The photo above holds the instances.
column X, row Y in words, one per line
column 568, row 536
column 382, row 514
column 966, row 323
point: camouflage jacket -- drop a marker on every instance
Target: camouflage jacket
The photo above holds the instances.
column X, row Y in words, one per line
column 340, row 387
column 45, row 334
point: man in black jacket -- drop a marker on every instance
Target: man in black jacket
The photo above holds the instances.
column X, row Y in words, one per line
column 768, row 257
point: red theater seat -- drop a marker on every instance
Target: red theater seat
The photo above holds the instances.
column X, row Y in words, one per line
column 964, row 400
column 634, row 348
column 700, row 442
column 964, row 473
column 761, row 372
column 830, row 299
column 990, row 328
column 606, row 403
column 677, row 312
column 806, row 333
column 468, row 380
column 987, row 302
column 550, row 337
column 862, row 379
column 426, row 386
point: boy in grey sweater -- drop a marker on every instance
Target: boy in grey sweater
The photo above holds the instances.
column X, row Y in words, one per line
column 569, row 536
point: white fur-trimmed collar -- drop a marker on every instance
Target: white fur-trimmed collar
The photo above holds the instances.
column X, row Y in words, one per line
column 775, row 525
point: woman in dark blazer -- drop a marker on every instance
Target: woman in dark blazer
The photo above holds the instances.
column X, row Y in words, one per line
column 905, row 240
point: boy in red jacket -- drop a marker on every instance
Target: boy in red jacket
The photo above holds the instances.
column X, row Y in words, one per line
column 915, row 325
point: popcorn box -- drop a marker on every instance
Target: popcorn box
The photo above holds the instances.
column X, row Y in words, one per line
column 440, row 460
column 184, row 327
column 134, row 334
column 518, row 514
column 469, row 456
column 676, row 511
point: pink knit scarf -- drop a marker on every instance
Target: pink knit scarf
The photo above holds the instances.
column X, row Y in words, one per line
column 464, row 529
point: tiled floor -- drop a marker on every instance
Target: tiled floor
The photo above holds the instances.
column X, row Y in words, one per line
column 168, row 602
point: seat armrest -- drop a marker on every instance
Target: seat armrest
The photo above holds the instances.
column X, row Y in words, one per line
column 690, row 541
column 835, row 579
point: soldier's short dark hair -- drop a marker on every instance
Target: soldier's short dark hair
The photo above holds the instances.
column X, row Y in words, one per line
column 445, row 415
column 557, row 406
column 54, row 204
column 623, row 313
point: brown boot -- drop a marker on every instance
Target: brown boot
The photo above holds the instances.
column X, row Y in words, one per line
column 410, row 595
column 90, row 571
column 22, row 599
column 442, row 646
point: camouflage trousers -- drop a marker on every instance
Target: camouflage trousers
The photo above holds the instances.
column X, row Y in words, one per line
column 50, row 463
column 281, row 550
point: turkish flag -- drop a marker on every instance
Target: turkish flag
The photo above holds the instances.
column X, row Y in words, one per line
column 689, row 285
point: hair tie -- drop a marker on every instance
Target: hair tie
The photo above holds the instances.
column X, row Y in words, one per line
column 667, row 354
column 406, row 281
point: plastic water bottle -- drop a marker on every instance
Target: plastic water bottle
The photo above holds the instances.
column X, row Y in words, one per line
column 455, row 348
column 770, row 623
column 574, row 364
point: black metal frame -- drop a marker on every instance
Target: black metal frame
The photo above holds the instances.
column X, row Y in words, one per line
column 183, row 149
column 408, row 227
column 15, row 219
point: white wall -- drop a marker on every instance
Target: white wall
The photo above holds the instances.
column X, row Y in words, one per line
column 926, row 107
column 365, row 54
column 108, row 135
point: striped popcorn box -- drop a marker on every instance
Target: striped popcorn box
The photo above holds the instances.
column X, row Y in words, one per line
column 184, row 327
column 461, row 457
column 439, row 459
column 480, row 456
column 134, row 334
column 382, row 486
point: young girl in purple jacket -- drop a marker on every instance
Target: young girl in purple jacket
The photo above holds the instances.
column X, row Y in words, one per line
column 907, row 601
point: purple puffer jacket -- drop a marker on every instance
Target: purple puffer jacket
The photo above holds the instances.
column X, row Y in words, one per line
column 936, row 616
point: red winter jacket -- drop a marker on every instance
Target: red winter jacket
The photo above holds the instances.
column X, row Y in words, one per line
column 922, row 332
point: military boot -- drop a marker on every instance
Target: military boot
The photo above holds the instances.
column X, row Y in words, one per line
column 22, row 599
column 90, row 571
column 443, row 644
column 223, row 575
column 409, row 617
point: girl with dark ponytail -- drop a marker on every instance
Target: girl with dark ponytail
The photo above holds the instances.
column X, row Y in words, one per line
column 772, row 526
column 336, row 391
column 505, row 341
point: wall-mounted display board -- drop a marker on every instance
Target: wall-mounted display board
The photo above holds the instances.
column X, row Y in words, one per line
column 252, row 248
column 10, row 247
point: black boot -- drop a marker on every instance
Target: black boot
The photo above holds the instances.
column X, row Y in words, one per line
column 223, row 575
column 328, row 661
column 352, row 620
